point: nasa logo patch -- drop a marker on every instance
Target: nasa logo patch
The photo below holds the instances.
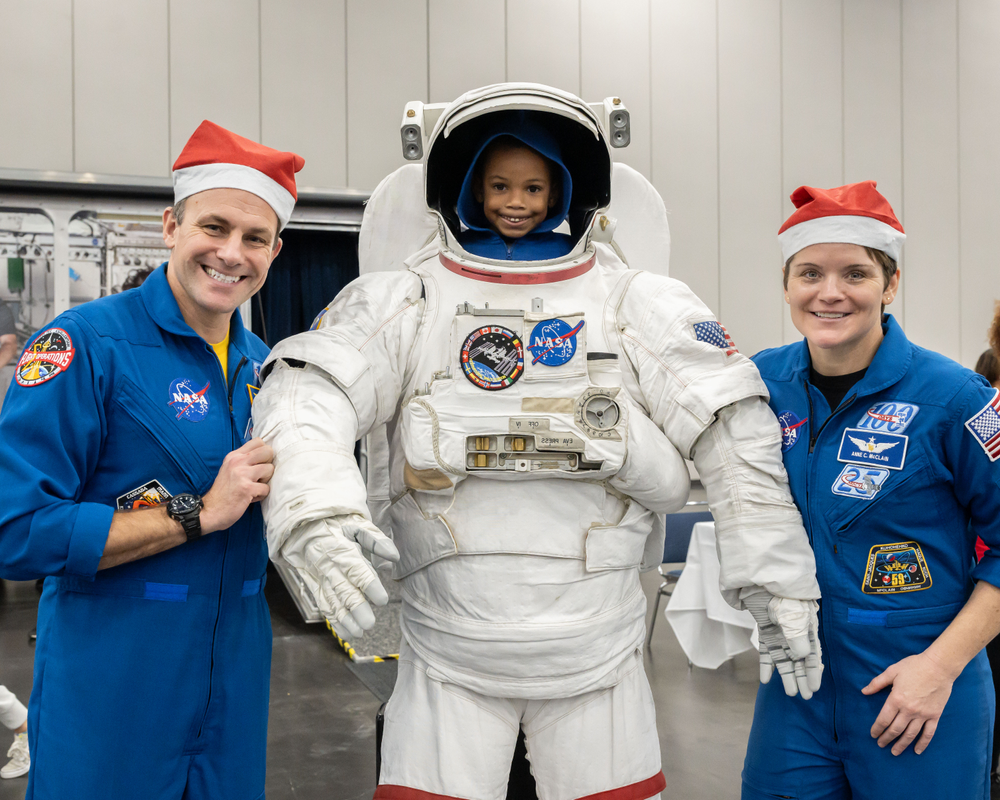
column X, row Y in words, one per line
column 492, row 357
column 894, row 568
column 861, row 483
column 790, row 424
column 871, row 448
column 553, row 342
column 49, row 355
column 150, row 494
column 190, row 402
column 890, row 416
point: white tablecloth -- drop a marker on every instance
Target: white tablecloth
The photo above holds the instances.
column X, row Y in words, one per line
column 709, row 630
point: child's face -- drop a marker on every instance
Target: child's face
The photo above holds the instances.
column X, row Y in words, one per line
column 516, row 191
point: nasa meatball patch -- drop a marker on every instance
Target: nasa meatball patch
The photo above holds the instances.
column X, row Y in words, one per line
column 187, row 400
column 790, row 425
column 553, row 342
column 49, row 355
column 492, row 357
column 896, row 567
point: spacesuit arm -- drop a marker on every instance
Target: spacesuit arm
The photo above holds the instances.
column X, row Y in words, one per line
column 758, row 529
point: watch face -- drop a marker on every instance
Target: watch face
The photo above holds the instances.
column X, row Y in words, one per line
column 184, row 504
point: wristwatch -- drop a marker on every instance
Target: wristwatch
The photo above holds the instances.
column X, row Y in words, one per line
column 186, row 509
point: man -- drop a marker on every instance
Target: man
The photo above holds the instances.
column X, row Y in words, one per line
column 129, row 476
column 536, row 404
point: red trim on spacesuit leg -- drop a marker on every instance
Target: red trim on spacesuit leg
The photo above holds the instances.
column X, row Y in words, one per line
column 515, row 277
column 642, row 790
column 388, row 791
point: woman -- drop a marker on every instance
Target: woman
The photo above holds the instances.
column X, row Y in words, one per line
column 892, row 454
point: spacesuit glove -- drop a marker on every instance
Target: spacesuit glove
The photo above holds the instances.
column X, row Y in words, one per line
column 788, row 630
column 337, row 572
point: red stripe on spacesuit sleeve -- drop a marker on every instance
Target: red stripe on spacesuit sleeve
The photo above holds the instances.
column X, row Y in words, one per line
column 634, row 791
column 388, row 791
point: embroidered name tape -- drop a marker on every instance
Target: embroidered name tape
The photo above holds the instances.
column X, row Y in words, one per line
column 890, row 416
column 861, row 483
column 873, row 448
column 985, row 427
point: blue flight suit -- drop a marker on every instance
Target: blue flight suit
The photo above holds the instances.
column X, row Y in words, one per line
column 151, row 678
column 893, row 487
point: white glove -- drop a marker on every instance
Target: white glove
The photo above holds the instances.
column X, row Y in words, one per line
column 328, row 556
column 789, row 640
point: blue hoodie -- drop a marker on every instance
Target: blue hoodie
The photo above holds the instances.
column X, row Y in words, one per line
column 541, row 243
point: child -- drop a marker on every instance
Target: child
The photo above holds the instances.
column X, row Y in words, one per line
column 516, row 192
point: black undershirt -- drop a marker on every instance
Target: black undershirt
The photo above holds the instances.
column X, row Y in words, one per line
column 834, row 387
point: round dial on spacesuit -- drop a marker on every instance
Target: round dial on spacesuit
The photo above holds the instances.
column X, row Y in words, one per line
column 601, row 413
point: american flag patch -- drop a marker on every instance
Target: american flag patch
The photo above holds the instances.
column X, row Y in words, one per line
column 985, row 426
column 713, row 333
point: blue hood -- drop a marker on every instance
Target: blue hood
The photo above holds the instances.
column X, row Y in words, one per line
column 529, row 133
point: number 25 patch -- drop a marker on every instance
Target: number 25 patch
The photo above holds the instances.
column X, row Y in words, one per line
column 897, row 567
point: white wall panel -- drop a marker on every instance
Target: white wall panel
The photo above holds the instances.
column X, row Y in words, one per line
column 120, row 50
column 386, row 68
column 614, row 61
column 214, row 68
column 873, row 138
column 685, row 139
column 467, row 46
column 750, row 191
column 543, row 42
column 303, row 53
column 979, row 169
column 36, row 91
column 930, row 278
column 812, row 104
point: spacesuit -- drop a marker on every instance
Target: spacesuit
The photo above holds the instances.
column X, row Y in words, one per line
column 536, row 414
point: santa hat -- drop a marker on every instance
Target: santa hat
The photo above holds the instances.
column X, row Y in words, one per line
column 853, row 214
column 215, row 158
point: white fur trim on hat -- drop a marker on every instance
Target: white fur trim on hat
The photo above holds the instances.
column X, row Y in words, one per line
column 864, row 231
column 191, row 180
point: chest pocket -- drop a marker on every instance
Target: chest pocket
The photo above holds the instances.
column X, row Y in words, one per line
column 170, row 443
column 846, row 512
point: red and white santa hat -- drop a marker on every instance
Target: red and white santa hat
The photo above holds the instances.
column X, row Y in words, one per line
column 853, row 214
column 215, row 158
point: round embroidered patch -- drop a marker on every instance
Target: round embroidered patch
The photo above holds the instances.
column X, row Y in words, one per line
column 790, row 424
column 553, row 342
column 190, row 402
column 493, row 357
column 50, row 354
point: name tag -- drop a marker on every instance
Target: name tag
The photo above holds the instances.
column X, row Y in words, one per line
column 873, row 448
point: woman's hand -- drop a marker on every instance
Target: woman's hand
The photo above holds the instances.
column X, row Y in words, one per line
column 921, row 686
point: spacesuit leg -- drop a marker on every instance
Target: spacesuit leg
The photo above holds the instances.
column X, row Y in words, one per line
column 443, row 739
column 602, row 744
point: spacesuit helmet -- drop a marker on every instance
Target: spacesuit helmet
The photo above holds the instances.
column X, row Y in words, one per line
column 575, row 135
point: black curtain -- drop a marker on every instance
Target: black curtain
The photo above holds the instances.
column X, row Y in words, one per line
column 307, row 274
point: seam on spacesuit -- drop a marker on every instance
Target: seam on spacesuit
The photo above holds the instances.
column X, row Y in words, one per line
column 410, row 304
column 654, row 356
column 450, row 689
column 724, row 453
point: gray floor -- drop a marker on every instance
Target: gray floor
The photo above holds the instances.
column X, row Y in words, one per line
column 322, row 723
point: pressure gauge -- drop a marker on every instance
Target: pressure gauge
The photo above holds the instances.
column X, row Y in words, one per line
column 598, row 413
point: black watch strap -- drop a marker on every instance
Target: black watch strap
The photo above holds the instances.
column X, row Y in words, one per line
column 186, row 509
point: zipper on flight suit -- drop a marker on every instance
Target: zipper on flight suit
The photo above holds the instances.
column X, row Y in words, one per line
column 812, row 446
column 225, row 552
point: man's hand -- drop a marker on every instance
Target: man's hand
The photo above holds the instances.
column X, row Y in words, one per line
column 921, row 687
column 329, row 554
column 242, row 480
column 789, row 640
